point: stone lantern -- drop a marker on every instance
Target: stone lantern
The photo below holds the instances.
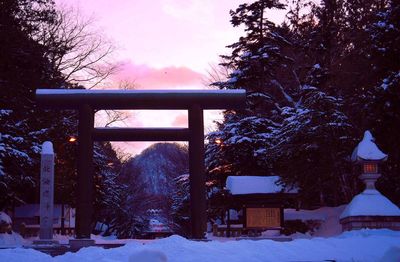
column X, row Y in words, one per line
column 370, row 209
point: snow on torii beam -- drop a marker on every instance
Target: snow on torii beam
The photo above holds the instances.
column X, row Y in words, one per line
column 140, row 99
column 86, row 101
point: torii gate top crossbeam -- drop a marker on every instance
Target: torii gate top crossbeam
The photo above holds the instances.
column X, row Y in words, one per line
column 140, row 99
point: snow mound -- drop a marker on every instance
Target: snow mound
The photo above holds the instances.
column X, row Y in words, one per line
column 374, row 244
column 11, row 240
column 148, row 256
column 304, row 215
column 393, row 254
column 329, row 217
column 367, row 149
column 370, row 203
column 239, row 185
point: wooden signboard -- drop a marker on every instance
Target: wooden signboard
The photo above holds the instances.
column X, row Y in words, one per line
column 263, row 217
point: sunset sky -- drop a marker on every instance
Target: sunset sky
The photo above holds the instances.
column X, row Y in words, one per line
column 163, row 44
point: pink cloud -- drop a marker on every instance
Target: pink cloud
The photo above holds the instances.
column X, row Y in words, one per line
column 146, row 77
column 180, row 121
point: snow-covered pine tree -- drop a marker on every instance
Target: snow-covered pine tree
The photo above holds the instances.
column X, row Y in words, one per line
column 180, row 208
column 292, row 106
column 383, row 105
column 311, row 147
column 262, row 62
column 120, row 203
column 24, row 67
column 253, row 64
column 107, row 168
column 129, row 217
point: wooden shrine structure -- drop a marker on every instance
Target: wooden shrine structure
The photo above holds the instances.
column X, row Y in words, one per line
column 258, row 202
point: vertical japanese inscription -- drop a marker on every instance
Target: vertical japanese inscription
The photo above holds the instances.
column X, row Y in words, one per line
column 46, row 191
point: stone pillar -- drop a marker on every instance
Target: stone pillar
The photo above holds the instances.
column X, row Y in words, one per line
column 46, row 194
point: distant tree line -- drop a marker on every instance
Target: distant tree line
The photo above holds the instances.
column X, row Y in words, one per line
column 45, row 47
column 314, row 84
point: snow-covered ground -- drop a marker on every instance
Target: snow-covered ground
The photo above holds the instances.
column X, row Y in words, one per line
column 326, row 243
column 12, row 240
column 362, row 245
column 328, row 216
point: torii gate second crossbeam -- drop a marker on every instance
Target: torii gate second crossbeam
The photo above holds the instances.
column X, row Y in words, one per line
column 87, row 101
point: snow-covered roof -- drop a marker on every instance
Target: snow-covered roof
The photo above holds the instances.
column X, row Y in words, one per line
column 367, row 149
column 47, row 148
column 370, row 203
column 241, row 185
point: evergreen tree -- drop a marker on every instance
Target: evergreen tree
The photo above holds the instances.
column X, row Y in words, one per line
column 383, row 111
column 25, row 66
column 180, row 208
column 312, row 147
column 156, row 170
column 129, row 216
column 314, row 83
column 254, row 62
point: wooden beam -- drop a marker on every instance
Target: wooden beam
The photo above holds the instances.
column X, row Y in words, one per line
column 141, row 134
column 140, row 99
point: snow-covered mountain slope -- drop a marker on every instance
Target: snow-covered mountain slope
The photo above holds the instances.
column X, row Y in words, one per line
column 158, row 165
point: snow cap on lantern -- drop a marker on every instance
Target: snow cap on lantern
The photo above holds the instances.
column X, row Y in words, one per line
column 367, row 150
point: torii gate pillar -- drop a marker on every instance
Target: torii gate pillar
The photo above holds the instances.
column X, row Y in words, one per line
column 84, row 202
column 196, row 171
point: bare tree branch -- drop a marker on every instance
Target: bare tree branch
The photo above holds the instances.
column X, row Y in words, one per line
column 126, row 84
column 216, row 73
column 80, row 52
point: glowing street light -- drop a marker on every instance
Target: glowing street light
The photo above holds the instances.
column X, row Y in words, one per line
column 72, row 139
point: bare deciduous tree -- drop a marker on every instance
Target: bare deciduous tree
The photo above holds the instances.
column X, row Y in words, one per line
column 216, row 73
column 114, row 116
column 126, row 84
column 109, row 117
column 77, row 49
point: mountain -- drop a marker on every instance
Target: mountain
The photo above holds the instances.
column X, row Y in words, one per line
column 158, row 165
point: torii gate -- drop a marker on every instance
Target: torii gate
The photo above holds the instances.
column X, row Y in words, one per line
column 86, row 101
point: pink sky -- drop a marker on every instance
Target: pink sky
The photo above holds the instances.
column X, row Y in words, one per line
column 147, row 77
column 165, row 33
column 163, row 44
